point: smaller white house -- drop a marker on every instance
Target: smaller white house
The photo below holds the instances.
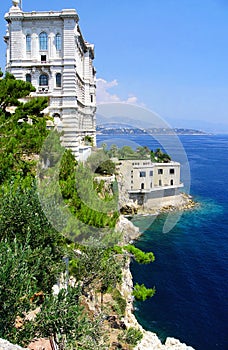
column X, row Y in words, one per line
column 151, row 184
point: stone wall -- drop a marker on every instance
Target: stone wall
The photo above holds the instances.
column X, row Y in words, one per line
column 159, row 202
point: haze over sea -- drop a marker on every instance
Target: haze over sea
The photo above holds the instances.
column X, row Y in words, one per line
column 191, row 267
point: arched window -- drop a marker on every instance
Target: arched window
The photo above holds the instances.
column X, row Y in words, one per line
column 43, row 38
column 28, row 78
column 58, row 79
column 43, row 80
column 58, row 42
column 28, row 43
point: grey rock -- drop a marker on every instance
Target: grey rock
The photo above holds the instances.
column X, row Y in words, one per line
column 6, row 345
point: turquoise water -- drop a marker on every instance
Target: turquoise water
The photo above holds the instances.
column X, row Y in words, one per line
column 191, row 267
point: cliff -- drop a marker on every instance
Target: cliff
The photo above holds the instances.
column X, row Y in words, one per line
column 128, row 230
column 114, row 324
column 150, row 340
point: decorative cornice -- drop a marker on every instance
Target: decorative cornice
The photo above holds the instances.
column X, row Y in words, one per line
column 15, row 13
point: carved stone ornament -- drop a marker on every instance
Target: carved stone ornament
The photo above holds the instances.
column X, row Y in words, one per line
column 15, row 3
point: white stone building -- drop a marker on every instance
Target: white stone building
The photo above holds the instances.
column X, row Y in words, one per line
column 151, row 184
column 48, row 49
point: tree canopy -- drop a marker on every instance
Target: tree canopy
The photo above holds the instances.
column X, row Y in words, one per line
column 141, row 152
column 11, row 90
column 18, row 139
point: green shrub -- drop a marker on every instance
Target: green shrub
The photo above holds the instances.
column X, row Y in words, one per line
column 142, row 293
column 131, row 336
column 120, row 303
column 140, row 256
column 106, row 168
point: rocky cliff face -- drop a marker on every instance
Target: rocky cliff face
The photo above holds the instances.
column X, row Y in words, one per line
column 128, row 230
column 150, row 340
column 126, row 205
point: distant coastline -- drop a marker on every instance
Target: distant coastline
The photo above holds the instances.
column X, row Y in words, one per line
column 103, row 130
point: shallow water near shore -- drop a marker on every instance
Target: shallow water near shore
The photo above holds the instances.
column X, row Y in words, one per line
column 191, row 267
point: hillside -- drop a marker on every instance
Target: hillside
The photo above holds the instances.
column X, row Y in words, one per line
column 61, row 263
column 118, row 130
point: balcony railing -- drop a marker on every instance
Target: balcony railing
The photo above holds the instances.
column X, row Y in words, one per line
column 43, row 89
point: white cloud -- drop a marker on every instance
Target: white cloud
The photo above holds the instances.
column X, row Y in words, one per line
column 104, row 96
column 132, row 99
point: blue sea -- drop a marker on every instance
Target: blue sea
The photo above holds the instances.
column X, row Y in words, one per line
column 190, row 272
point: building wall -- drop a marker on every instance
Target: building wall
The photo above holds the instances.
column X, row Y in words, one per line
column 150, row 184
column 157, row 199
column 73, row 101
column 146, row 175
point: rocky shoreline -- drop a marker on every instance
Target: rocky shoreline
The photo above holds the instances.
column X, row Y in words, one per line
column 150, row 340
column 181, row 202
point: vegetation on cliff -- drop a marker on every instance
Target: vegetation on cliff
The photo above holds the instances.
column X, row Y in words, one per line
column 35, row 255
column 127, row 152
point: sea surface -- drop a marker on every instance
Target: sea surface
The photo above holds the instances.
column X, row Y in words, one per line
column 190, row 272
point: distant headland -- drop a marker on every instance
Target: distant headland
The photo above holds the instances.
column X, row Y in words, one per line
column 118, row 130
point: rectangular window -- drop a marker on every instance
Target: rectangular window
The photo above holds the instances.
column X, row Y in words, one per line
column 28, row 43
column 58, row 79
column 58, row 42
column 43, row 39
column 151, row 172
column 28, row 78
column 171, row 171
column 43, row 58
column 160, row 182
column 160, row 171
column 142, row 174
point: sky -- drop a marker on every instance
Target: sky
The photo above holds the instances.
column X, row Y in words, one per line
column 169, row 56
